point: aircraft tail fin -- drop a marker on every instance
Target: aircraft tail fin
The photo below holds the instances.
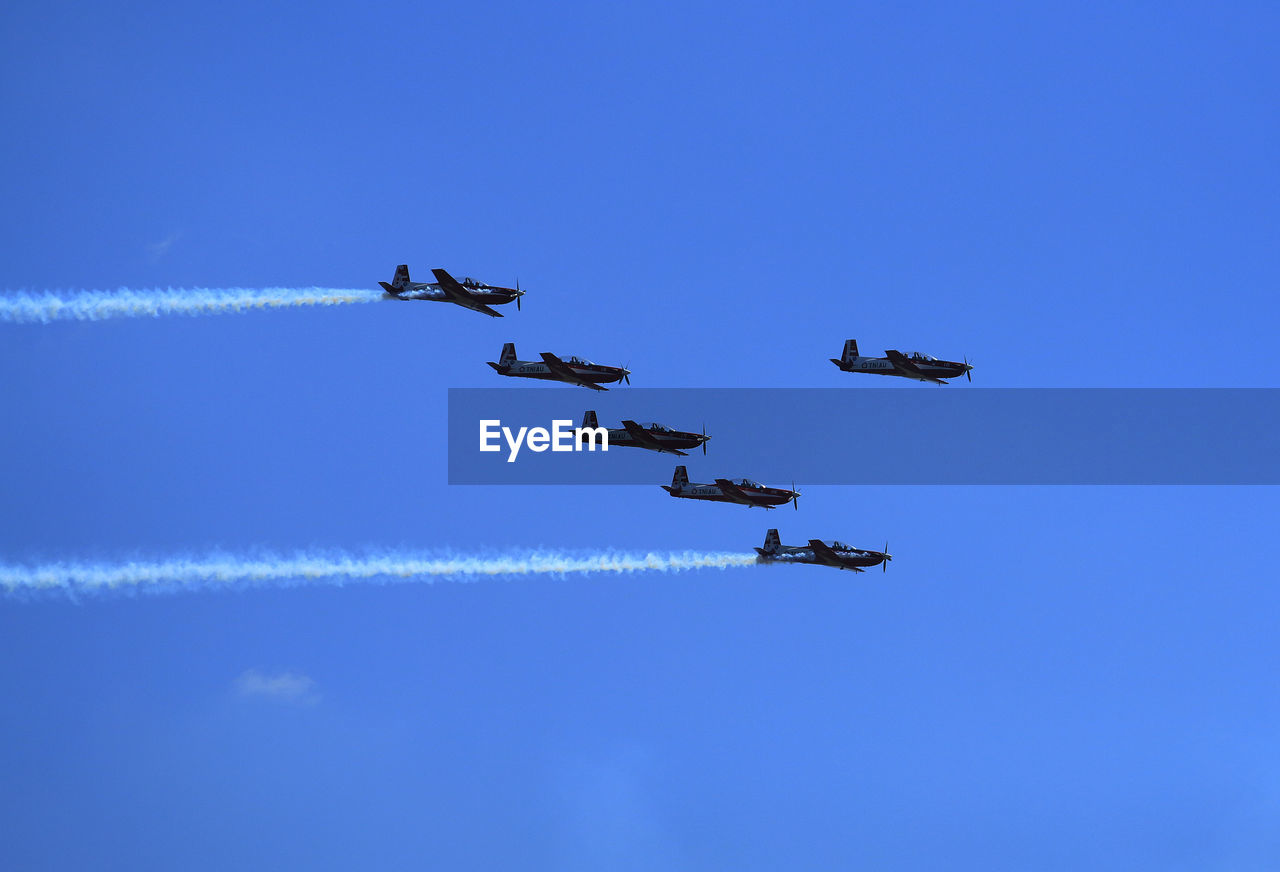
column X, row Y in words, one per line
column 504, row 362
column 589, row 421
column 772, row 544
column 850, row 353
column 679, row 480
column 401, row 279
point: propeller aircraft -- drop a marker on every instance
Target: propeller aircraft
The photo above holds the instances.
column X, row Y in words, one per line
column 921, row 367
column 819, row 553
column 468, row 293
column 653, row 436
column 574, row 371
column 743, row 491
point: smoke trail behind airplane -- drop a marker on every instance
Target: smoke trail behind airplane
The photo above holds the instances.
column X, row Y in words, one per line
column 223, row 572
column 43, row 307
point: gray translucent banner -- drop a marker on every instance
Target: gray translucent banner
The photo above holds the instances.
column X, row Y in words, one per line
column 917, row 435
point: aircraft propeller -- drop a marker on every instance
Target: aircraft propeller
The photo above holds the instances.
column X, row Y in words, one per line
column 626, row 373
column 795, row 499
column 884, row 564
column 967, row 368
column 704, row 440
column 518, row 293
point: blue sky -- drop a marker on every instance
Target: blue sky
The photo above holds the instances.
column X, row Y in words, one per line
column 719, row 196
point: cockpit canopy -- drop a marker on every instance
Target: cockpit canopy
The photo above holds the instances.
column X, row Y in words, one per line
column 746, row 482
column 654, row 425
column 837, row 545
column 916, row 355
column 580, row 360
column 469, row 282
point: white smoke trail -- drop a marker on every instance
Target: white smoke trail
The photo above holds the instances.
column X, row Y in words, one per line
column 42, row 307
column 220, row 572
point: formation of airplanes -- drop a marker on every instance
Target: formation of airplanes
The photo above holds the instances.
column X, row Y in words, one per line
column 480, row 297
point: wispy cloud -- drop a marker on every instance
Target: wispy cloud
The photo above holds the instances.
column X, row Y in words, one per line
column 289, row 687
column 612, row 815
column 157, row 250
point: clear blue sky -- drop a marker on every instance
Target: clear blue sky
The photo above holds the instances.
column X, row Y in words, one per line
column 719, row 195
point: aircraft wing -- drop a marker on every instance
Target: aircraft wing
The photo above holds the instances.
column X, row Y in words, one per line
column 823, row 554
column 456, row 293
column 644, row 439
column 907, row 367
column 562, row 369
column 732, row 490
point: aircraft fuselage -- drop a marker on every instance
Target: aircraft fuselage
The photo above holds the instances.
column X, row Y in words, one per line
column 433, row 293
column 917, row 366
column 670, row 439
column 854, row 559
column 595, row 373
column 820, row 553
column 764, row 497
column 935, row 369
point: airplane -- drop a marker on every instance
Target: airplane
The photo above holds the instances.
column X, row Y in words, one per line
column 468, row 293
column 820, row 553
column 575, row 370
column 655, row 437
column 743, row 491
column 915, row 365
